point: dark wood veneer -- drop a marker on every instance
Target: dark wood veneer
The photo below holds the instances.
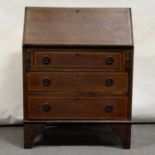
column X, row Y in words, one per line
column 77, row 81
column 79, row 59
column 76, row 108
column 77, row 67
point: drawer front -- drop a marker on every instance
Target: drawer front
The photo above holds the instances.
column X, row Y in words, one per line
column 77, row 82
column 105, row 60
column 62, row 108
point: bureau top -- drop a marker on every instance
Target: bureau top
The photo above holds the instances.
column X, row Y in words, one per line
column 77, row 27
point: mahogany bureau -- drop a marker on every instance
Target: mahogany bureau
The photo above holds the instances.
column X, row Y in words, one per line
column 77, row 68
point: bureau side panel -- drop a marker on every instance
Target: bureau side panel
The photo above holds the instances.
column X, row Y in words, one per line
column 130, row 57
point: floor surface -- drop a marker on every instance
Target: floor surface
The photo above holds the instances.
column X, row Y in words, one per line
column 142, row 143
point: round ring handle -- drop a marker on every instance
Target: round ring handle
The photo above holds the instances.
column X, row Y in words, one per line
column 109, row 108
column 46, row 108
column 46, row 60
column 109, row 82
column 109, row 60
column 46, row 82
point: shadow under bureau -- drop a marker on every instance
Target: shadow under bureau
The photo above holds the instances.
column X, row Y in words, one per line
column 77, row 68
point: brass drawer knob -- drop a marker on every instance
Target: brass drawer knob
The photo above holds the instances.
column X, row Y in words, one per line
column 109, row 82
column 46, row 108
column 46, row 82
column 109, row 60
column 46, row 60
column 109, row 108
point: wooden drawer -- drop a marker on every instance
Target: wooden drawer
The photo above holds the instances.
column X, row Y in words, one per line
column 77, row 82
column 62, row 108
column 81, row 59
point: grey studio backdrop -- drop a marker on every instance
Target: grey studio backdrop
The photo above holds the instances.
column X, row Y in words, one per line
column 11, row 33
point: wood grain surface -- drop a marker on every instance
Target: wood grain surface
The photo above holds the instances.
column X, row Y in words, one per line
column 77, row 82
column 78, row 26
column 77, row 108
column 79, row 59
